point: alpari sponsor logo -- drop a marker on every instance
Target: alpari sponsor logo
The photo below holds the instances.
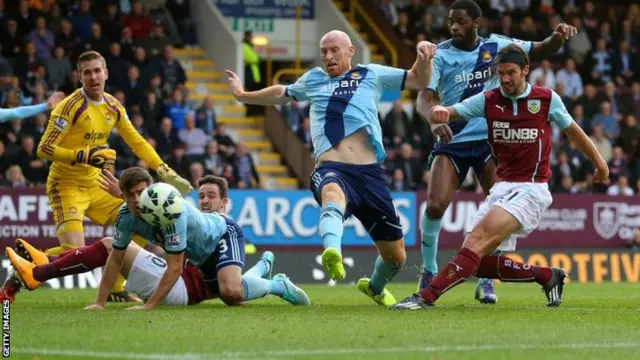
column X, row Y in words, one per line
column 342, row 87
column 502, row 133
column 96, row 135
column 468, row 77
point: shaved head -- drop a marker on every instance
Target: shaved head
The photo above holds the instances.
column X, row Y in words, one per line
column 337, row 52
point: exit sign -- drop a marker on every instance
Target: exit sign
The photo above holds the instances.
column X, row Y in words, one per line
column 252, row 24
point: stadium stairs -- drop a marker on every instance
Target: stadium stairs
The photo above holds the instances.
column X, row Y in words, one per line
column 202, row 80
column 369, row 22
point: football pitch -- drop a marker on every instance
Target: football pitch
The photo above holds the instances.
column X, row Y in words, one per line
column 594, row 322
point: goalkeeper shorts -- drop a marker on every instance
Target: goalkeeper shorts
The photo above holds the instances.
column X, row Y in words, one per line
column 70, row 204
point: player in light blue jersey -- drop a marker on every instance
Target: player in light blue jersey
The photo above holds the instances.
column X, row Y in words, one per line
column 21, row 112
column 462, row 68
column 347, row 141
column 211, row 241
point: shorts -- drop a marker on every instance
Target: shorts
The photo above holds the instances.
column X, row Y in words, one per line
column 71, row 202
column 230, row 251
column 367, row 193
column 525, row 201
column 144, row 277
column 464, row 155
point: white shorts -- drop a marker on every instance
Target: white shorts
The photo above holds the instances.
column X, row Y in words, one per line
column 525, row 201
column 145, row 274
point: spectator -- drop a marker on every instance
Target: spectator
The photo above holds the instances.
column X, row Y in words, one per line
column 397, row 125
column 404, row 29
column 166, row 138
column 178, row 161
column 157, row 40
column 181, row 13
column 43, row 40
column 72, row 83
column 607, row 120
column 590, row 101
column 25, row 17
column 619, row 105
column 439, row 14
column 5, row 162
column 568, row 103
column 58, row 68
column 245, row 169
column 214, row 162
column 620, row 187
column 252, row 77
column 206, row 116
column 145, row 66
column 176, row 109
column 600, row 63
column 578, row 117
column 626, row 65
column 414, row 12
column 33, row 168
column 409, row 165
column 12, row 42
column 112, row 23
column 14, row 177
column 196, row 172
column 138, row 21
column 424, row 183
column 399, row 182
column 152, row 110
column 618, row 166
column 389, row 11
column 170, row 69
column 602, row 143
column 571, row 80
column 193, row 137
column 635, row 98
column 605, row 34
column 28, row 64
column 67, row 40
column 546, row 73
column 230, row 175
column 630, row 135
column 127, row 45
column 37, row 128
column 563, row 169
column 580, row 44
column 294, row 115
column 82, row 20
column 54, row 19
column 37, row 78
column 95, row 41
column 134, row 88
column 225, row 143
column 630, row 35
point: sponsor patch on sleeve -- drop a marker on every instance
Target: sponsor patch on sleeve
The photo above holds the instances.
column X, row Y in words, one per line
column 61, row 123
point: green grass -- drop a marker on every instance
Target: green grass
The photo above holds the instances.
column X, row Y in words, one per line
column 594, row 322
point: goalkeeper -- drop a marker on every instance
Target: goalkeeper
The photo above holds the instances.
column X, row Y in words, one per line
column 76, row 142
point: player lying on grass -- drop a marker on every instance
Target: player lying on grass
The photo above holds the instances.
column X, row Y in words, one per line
column 461, row 69
column 144, row 270
column 347, row 138
column 519, row 118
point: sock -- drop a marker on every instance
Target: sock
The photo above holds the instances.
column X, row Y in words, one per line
column 73, row 262
column 330, row 227
column 509, row 270
column 456, row 272
column 256, row 288
column 429, row 245
column 382, row 275
column 260, row 269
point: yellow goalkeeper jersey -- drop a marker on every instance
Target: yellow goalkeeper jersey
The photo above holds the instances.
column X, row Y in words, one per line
column 78, row 122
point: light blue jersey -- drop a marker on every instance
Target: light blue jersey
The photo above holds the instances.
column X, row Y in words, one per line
column 344, row 104
column 195, row 233
column 474, row 107
column 459, row 74
column 21, row 112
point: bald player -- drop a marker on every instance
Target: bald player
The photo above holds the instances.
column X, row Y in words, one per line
column 347, row 140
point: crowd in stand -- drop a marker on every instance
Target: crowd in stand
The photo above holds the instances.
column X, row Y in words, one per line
column 40, row 41
column 597, row 74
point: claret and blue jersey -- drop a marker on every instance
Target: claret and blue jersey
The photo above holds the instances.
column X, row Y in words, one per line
column 342, row 105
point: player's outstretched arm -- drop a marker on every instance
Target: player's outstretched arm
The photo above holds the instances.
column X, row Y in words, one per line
column 419, row 77
column 553, row 43
column 169, row 278
column 111, row 270
column 472, row 107
column 22, row 112
column 272, row 95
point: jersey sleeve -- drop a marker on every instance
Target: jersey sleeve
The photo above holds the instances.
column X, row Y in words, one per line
column 123, row 229
column 136, row 142
column 21, row 112
column 298, row 90
column 472, row 107
column 504, row 41
column 59, row 124
column 558, row 112
column 436, row 71
column 389, row 78
column 175, row 236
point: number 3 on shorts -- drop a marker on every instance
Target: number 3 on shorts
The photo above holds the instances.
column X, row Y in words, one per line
column 222, row 246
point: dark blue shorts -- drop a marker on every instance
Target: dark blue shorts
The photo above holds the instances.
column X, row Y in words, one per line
column 230, row 251
column 367, row 193
column 464, row 155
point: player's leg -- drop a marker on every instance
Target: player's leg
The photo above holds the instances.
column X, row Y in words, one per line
column 443, row 183
column 263, row 268
column 485, row 169
column 327, row 185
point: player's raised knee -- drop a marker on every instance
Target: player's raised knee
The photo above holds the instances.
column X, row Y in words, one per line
column 332, row 193
column 436, row 207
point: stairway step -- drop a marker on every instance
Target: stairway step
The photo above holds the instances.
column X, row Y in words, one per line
column 286, row 181
column 373, row 48
column 258, row 145
column 272, row 169
column 189, row 52
column 377, row 58
column 203, row 75
column 219, row 97
column 364, row 36
column 241, row 121
column 202, row 87
column 268, row 158
column 339, row 4
column 234, row 109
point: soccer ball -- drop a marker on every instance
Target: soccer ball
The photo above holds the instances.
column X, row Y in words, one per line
column 161, row 204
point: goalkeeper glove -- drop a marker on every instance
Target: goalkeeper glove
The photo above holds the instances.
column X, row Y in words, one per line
column 169, row 176
column 97, row 156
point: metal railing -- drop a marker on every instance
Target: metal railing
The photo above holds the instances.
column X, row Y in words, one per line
column 354, row 7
